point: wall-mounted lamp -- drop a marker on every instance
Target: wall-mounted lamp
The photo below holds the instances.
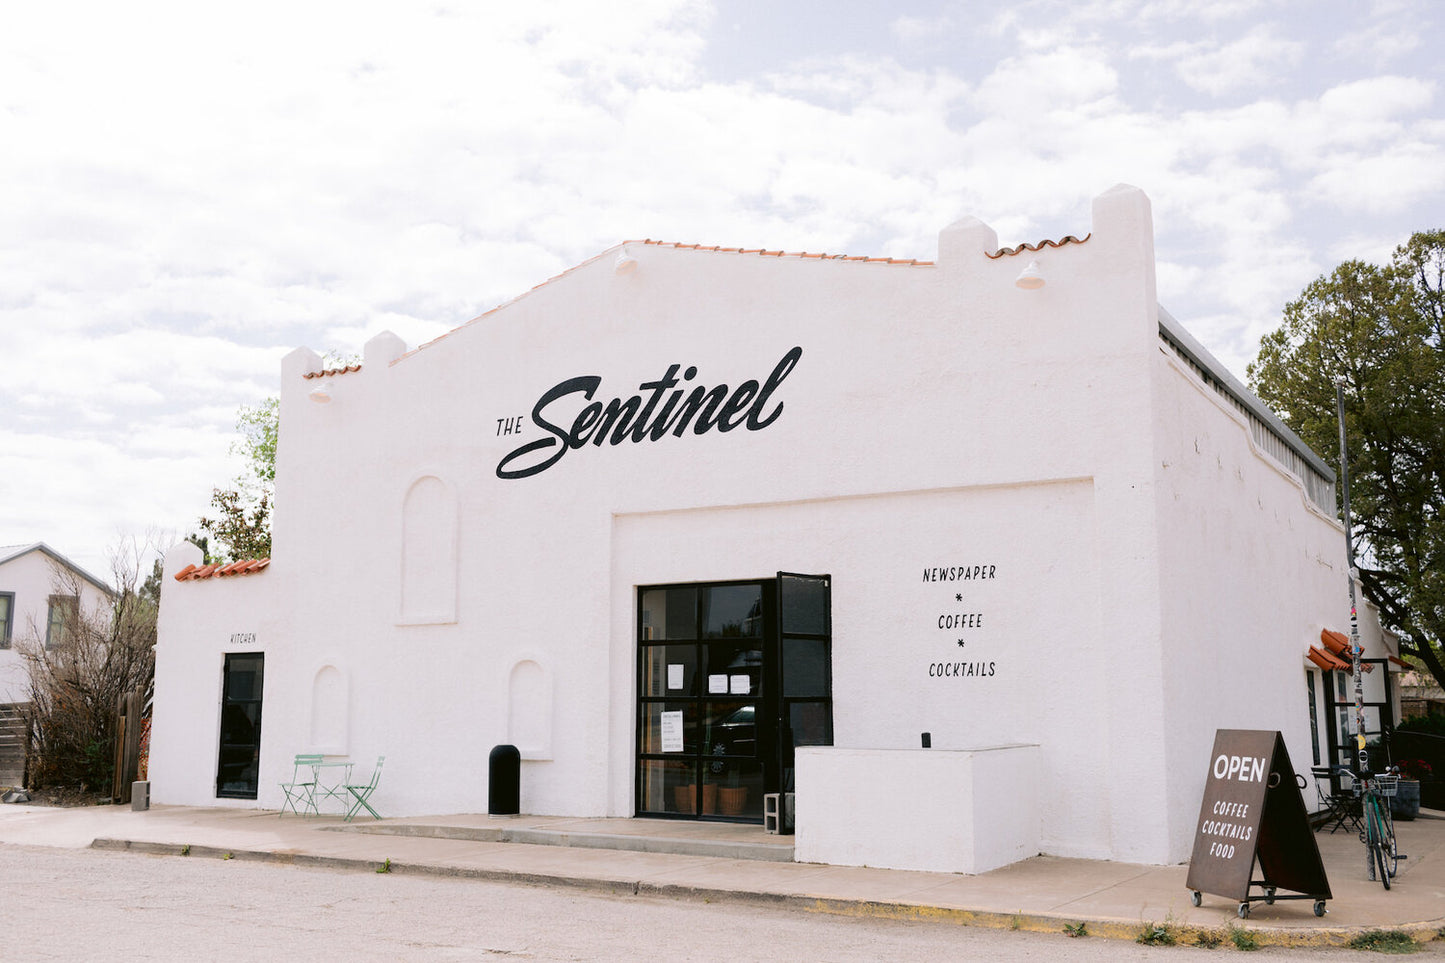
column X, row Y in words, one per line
column 1030, row 278
column 625, row 263
column 321, row 394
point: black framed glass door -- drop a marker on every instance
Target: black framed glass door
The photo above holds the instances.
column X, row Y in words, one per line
column 727, row 685
column 238, row 765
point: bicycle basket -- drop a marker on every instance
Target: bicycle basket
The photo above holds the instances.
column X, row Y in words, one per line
column 1386, row 784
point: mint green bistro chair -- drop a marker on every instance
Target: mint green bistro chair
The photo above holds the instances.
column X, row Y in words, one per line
column 301, row 790
column 362, row 793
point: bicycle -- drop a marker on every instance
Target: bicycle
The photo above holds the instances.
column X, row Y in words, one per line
column 1378, row 833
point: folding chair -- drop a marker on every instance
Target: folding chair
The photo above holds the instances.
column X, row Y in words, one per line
column 302, row 787
column 362, row 793
column 1341, row 808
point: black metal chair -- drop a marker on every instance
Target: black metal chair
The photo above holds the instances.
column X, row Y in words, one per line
column 1341, row 805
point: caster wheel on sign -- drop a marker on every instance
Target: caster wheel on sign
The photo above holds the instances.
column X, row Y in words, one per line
column 1195, row 898
column 1319, row 907
column 1269, row 896
column 1244, row 911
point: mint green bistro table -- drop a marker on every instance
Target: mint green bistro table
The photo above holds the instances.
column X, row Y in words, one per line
column 331, row 778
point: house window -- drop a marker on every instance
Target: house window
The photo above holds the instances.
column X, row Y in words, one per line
column 63, row 612
column 7, row 610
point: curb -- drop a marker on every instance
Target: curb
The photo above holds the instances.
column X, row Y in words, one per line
column 1177, row 934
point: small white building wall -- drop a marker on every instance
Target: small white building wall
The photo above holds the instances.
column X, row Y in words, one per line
column 33, row 578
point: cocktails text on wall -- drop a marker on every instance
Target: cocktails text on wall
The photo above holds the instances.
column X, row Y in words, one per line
column 662, row 407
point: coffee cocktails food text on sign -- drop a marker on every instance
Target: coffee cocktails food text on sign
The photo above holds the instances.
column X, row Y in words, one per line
column 662, row 407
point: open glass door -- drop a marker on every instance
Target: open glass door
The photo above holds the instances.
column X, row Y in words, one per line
column 804, row 668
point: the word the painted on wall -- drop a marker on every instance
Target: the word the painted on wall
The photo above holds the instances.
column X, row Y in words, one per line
column 960, row 618
column 662, row 407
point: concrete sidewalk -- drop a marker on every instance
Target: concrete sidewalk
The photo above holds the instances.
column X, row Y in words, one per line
column 683, row 859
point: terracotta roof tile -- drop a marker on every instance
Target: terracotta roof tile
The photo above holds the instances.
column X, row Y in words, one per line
column 1325, row 660
column 761, row 252
column 764, row 252
column 248, row 566
column 330, row 372
column 1066, row 239
column 1337, row 651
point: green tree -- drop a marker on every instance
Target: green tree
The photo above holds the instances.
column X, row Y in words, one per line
column 1381, row 329
column 241, row 523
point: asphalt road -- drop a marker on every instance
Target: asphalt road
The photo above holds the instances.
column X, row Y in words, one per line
column 62, row 904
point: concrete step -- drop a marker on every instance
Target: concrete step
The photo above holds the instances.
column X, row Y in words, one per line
column 774, row 850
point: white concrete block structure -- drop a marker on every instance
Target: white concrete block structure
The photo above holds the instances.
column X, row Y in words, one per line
column 1041, row 518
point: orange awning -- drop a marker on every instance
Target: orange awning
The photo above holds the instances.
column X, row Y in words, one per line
column 1326, row 661
column 1335, row 656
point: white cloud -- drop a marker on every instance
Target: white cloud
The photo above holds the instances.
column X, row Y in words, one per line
column 190, row 192
column 1251, row 61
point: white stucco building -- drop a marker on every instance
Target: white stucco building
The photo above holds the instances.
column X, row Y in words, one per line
column 1040, row 522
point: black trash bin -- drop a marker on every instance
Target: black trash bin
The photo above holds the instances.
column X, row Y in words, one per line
column 504, row 781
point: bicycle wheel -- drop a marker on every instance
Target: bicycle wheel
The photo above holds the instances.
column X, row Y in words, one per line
column 1392, row 849
column 1376, row 844
column 1378, row 849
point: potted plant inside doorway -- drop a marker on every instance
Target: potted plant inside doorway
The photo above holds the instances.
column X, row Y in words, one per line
column 733, row 796
column 685, row 796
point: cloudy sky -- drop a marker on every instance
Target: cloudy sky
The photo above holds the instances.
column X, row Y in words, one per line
column 186, row 194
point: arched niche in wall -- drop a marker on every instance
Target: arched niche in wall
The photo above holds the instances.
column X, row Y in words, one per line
column 529, row 710
column 330, row 711
column 429, row 553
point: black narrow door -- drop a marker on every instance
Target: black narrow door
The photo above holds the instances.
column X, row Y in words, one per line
column 804, row 667
column 239, row 761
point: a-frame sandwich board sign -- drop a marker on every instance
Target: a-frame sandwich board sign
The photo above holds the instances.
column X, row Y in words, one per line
column 1252, row 810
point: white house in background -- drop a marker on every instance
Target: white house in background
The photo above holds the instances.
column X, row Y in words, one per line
column 692, row 525
column 41, row 592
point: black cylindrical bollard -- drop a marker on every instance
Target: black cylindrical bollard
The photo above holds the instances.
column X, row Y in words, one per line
column 504, row 781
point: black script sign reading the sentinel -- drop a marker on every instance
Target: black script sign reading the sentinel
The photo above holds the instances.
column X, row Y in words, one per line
column 662, row 407
column 1252, row 805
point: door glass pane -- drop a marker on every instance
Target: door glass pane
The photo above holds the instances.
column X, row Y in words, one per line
column 669, row 613
column 733, row 612
column 733, row 789
column 668, row 786
column 732, row 669
column 730, row 730
column 239, row 722
column 238, row 771
column 653, row 724
column 243, row 678
column 805, row 667
column 670, row 670
column 809, row 721
column 804, row 605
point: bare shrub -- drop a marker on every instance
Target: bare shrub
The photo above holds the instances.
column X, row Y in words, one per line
column 77, row 680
